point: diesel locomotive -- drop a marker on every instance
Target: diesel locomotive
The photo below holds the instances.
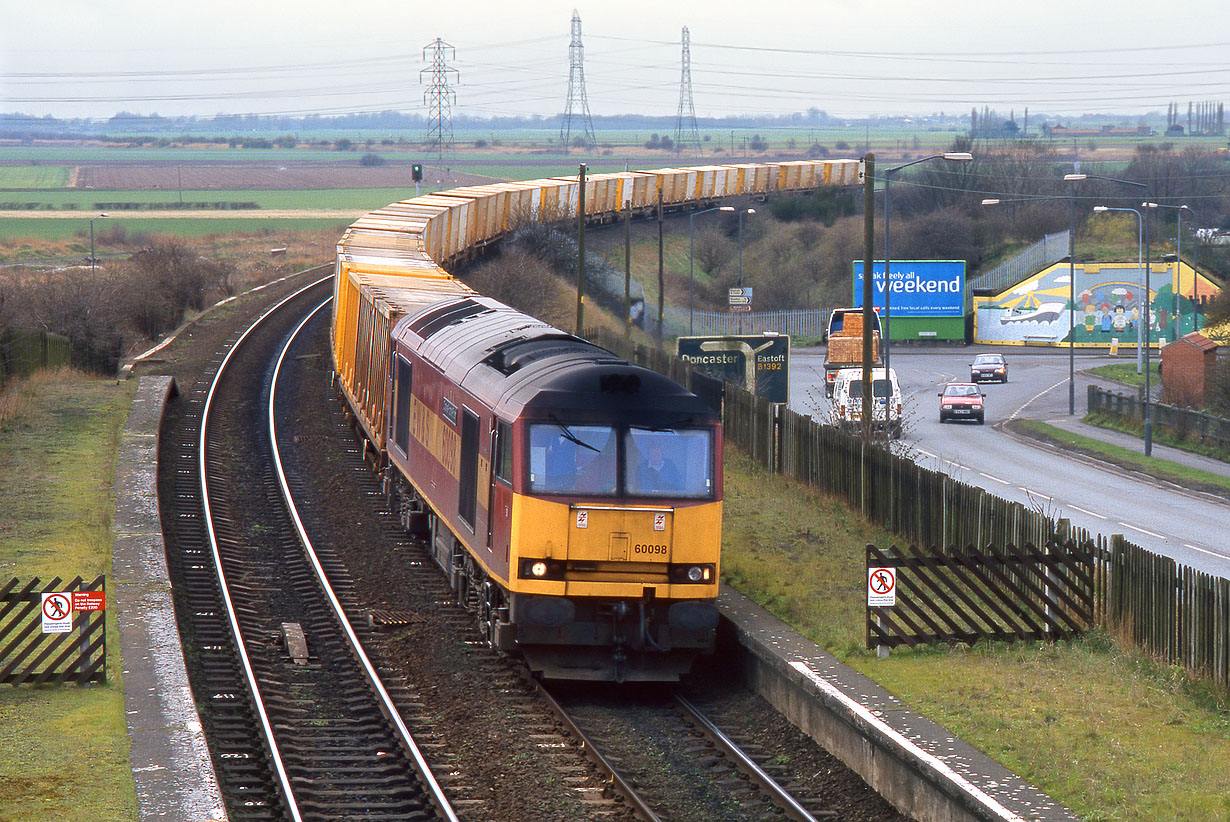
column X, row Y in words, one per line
column 573, row 499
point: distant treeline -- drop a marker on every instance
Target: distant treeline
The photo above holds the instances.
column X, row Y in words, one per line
column 21, row 125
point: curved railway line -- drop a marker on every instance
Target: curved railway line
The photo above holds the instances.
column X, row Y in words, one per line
column 297, row 730
column 337, row 756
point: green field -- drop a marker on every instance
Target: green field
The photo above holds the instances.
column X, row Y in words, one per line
column 40, row 176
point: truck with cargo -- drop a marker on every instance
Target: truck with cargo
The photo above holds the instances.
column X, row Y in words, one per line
column 845, row 343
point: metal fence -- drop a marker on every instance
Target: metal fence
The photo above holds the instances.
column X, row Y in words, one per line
column 806, row 322
column 30, row 656
column 1177, row 614
column 1184, row 423
column 1050, row 249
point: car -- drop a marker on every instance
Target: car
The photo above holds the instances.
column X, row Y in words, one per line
column 962, row 401
column 988, row 367
column 847, row 401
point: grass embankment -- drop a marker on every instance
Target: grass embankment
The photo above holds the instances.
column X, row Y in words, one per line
column 1102, row 729
column 63, row 750
column 1126, row 373
column 1152, row 466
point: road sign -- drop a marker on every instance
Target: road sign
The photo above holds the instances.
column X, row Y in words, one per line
column 761, row 364
column 89, row 600
column 57, row 613
column 740, row 300
column 881, row 587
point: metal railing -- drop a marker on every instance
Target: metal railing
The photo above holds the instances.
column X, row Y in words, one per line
column 1051, row 248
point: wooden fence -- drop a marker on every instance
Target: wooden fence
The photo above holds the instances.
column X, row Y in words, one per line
column 1177, row 614
column 24, row 352
column 29, row 656
column 964, row 595
column 1187, row 423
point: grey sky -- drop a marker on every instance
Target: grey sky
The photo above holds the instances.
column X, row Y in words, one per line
column 76, row 58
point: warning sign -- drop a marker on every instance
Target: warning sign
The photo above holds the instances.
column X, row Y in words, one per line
column 881, row 587
column 582, row 519
column 89, row 600
column 57, row 613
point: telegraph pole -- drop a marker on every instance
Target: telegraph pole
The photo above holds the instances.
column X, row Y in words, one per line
column 580, row 247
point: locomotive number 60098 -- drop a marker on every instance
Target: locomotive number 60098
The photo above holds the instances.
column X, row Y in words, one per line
column 648, row 548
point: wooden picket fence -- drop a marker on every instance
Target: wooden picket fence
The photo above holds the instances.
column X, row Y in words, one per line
column 1173, row 612
column 972, row 594
column 30, row 657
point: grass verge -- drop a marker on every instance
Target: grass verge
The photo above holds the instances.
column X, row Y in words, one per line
column 1125, row 372
column 63, row 750
column 1102, row 729
column 1153, row 466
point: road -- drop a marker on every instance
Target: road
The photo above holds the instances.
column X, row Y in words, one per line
column 1174, row 522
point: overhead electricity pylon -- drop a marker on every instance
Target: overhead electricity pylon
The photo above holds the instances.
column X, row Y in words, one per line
column 685, row 120
column 577, row 105
column 439, row 99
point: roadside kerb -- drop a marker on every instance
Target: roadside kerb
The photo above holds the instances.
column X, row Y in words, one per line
column 914, row 763
column 171, row 764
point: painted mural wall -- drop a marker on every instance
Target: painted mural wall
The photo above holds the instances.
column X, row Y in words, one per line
column 1109, row 305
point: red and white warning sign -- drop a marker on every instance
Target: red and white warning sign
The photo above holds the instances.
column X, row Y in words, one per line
column 659, row 522
column 89, row 600
column 582, row 519
column 881, row 587
column 57, row 613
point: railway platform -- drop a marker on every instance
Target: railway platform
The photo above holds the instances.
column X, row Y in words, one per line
column 916, row 764
column 171, row 764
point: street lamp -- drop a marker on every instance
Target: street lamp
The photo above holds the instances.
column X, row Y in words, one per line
column 1071, row 283
column 92, row 219
column 741, row 213
column 954, row 156
column 691, row 246
column 740, row 280
column 1142, row 330
column 1178, row 261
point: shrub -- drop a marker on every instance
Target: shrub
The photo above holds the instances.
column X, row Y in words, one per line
column 370, row 160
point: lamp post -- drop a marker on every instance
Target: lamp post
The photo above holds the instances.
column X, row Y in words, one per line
column 1178, row 261
column 691, row 247
column 739, row 282
column 1142, row 330
column 954, row 156
column 92, row 219
column 1071, row 284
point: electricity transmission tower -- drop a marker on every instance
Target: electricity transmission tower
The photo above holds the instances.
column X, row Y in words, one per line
column 577, row 105
column 685, row 120
column 439, row 99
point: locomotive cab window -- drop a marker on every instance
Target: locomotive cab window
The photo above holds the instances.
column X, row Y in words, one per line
column 401, row 405
column 669, row 462
column 503, row 452
column 634, row 462
column 568, row 459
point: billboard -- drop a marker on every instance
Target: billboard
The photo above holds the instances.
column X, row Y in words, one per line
column 920, row 288
column 761, row 364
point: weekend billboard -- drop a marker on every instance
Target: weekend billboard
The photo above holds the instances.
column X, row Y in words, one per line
column 920, row 288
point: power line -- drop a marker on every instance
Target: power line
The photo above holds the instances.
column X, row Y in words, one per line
column 439, row 99
column 576, row 91
column 685, row 120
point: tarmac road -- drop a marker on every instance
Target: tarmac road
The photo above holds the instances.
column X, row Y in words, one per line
column 1187, row 525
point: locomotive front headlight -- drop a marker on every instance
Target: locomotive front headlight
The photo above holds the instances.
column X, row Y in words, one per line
column 696, row 573
column 539, row 569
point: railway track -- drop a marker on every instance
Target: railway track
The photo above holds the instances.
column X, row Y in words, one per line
column 508, row 756
column 669, row 761
column 295, row 729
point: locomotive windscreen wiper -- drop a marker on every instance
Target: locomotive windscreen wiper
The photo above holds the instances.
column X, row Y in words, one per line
column 571, row 437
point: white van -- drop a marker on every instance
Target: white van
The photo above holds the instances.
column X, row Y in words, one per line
column 847, row 401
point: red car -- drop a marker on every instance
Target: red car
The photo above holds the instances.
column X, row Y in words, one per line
column 961, row 401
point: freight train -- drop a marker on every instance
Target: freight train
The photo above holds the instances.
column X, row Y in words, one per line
column 572, row 499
